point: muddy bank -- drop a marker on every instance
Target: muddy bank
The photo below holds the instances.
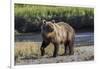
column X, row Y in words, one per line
column 84, row 53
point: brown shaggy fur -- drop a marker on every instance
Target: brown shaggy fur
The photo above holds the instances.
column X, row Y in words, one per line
column 57, row 33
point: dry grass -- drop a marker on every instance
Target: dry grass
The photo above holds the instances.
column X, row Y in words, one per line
column 31, row 50
column 28, row 50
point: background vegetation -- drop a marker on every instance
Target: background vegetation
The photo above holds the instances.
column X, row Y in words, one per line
column 28, row 18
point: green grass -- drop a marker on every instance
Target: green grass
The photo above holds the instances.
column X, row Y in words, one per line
column 32, row 15
column 32, row 11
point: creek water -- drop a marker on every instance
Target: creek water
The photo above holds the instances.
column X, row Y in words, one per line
column 86, row 38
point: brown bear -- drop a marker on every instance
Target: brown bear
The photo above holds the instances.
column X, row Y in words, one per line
column 57, row 33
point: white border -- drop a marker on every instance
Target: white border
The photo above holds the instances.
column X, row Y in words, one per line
column 12, row 35
column 75, row 3
column 78, row 3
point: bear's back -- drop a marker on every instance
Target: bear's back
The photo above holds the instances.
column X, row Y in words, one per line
column 66, row 26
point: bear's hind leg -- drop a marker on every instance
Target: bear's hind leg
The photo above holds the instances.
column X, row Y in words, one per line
column 71, row 48
column 56, row 48
column 65, row 48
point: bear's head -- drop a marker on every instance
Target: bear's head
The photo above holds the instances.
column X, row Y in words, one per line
column 48, row 26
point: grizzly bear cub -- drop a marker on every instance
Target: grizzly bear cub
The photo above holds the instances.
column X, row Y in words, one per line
column 57, row 33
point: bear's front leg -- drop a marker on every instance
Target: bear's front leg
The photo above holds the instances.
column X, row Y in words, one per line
column 56, row 48
column 43, row 46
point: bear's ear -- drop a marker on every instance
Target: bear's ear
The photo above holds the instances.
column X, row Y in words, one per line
column 53, row 21
column 44, row 21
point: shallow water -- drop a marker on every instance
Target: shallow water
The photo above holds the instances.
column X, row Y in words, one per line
column 86, row 38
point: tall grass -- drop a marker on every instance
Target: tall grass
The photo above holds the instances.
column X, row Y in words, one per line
column 50, row 11
column 33, row 14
